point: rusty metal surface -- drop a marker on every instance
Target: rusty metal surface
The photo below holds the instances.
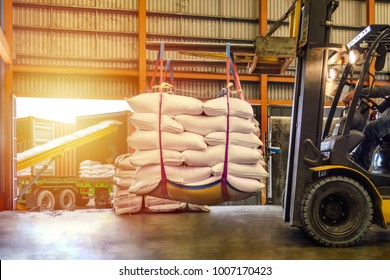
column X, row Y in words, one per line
column 276, row 46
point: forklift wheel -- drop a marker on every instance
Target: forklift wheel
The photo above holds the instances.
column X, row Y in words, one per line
column 336, row 211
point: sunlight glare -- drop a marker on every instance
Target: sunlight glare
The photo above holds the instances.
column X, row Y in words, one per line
column 66, row 110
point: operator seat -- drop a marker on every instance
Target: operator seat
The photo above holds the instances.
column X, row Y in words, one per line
column 356, row 135
column 359, row 120
column 336, row 145
column 380, row 163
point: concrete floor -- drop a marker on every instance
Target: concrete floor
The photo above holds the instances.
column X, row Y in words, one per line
column 226, row 232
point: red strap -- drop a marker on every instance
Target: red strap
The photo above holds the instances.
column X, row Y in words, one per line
column 224, row 182
column 164, row 190
column 237, row 81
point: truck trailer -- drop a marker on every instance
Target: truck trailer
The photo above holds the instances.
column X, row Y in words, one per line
column 44, row 189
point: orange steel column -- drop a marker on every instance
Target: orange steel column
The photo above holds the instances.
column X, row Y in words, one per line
column 263, row 77
column 7, row 122
column 141, row 46
column 370, row 12
column 263, row 19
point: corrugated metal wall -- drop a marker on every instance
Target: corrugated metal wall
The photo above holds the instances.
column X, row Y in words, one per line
column 77, row 86
column 205, row 21
column 207, row 89
column 351, row 13
column 223, row 8
column 103, row 34
column 62, row 36
column 89, row 34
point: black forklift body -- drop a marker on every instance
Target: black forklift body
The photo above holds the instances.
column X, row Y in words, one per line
column 328, row 194
column 308, row 101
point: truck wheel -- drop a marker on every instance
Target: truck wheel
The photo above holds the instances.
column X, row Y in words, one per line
column 65, row 199
column 45, row 200
column 336, row 211
column 102, row 199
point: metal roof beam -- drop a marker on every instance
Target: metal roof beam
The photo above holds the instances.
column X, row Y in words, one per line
column 201, row 47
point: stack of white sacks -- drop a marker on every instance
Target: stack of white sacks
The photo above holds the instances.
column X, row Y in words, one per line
column 124, row 201
column 193, row 142
column 95, row 169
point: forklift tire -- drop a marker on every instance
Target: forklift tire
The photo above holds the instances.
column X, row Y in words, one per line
column 65, row 199
column 45, row 200
column 336, row 211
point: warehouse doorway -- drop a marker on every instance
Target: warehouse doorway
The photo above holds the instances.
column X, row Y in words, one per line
column 42, row 123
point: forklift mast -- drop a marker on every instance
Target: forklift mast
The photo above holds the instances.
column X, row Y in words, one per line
column 308, row 100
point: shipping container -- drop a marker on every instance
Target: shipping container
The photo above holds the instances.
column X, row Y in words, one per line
column 106, row 149
column 32, row 131
column 64, row 186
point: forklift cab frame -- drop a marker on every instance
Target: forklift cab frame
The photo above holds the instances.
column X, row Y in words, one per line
column 339, row 200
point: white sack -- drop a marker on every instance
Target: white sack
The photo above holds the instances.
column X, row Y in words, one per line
column 118, row 191
column 252, row 171
column 96, row 173
column 149, row 121
column 125, row 173
column 93, row 169
column 88, row 162
column 215, row 154
column 149, row 140
column 171, row 105
column 144, row 186
column 218, row 107
column 150, row 157
column 151, row 200
column 127, row 201
column 123, row 162
column 132, row 204
column 167, row 207
column 197, row 208
column 209, row 180
column 155, row 204
column 245, row 184
column 235, row 138
column 123, row 182
column 204, row 124
column 148, row 177
column 179, row 174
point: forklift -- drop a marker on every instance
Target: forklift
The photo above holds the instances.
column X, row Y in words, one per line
column 328, row 194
